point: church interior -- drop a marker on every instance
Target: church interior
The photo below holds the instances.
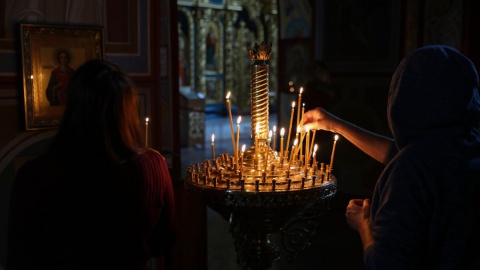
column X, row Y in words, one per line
column 185, row 56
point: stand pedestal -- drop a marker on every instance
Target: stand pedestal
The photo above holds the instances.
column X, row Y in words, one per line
column 255, row 216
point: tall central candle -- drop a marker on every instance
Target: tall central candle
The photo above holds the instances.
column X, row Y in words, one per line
column 146, row 132
column 290, row 126
column 231, row 120
column 333, row 151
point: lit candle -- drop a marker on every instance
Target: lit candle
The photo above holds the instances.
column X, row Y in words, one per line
column 333, row 152
column 231, row 120
column 241, row 157
column 238, row 138
column 303, row 112
column 290, row 127
column 291, row 154
column 299, row 102
column 274, row 137
column 213, row 146
column 296, row 137
column 313, row 140
column 307, row 147
column 146, row 132
column 282, row 132
column 268, row 149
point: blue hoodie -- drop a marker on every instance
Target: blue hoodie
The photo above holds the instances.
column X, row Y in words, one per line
column 425, row 211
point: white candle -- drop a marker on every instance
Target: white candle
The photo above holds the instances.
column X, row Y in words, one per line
column 146, row 132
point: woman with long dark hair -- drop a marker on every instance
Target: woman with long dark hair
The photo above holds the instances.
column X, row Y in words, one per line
column 98, row 198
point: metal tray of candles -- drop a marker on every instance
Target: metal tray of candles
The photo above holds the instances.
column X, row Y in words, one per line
column 263, row 196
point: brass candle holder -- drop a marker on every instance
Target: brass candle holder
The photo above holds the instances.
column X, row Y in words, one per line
column 260, row 192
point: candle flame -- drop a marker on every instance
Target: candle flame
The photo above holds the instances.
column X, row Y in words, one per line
column 299, row 129
column 307, row 129
column 315, row 148
column 228, row 95
column 213, row 138
column 243, row 148
column 274, row 129
column 146, row 120
column 270, row 134
column 336, row 137
column 301, row 90
column 239, row 119
column 282, row 132
column 293, row 104
column 295, row 142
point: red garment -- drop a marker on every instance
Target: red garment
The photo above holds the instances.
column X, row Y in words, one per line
column 72, row 216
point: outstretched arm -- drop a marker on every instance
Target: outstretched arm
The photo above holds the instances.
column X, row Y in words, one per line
column 374, row 145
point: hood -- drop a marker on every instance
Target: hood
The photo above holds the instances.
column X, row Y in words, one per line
column 433, row 91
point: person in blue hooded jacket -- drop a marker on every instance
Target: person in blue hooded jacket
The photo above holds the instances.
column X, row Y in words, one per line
column 425, row 209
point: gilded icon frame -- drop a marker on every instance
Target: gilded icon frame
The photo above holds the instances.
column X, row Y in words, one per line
column 43, row 47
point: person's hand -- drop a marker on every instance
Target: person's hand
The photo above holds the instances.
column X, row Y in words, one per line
column 358, row 213
column 318, row 119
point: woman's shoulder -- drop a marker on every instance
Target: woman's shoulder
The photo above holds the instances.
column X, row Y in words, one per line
column 149, row 157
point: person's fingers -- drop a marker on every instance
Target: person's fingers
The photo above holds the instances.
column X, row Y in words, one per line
column 366, row 208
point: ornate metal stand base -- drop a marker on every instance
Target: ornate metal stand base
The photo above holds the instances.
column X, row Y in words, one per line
column 255, row 216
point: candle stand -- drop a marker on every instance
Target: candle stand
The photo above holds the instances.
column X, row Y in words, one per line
column 262, row 192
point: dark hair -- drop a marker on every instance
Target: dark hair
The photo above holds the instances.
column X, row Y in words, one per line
column 100, row 121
